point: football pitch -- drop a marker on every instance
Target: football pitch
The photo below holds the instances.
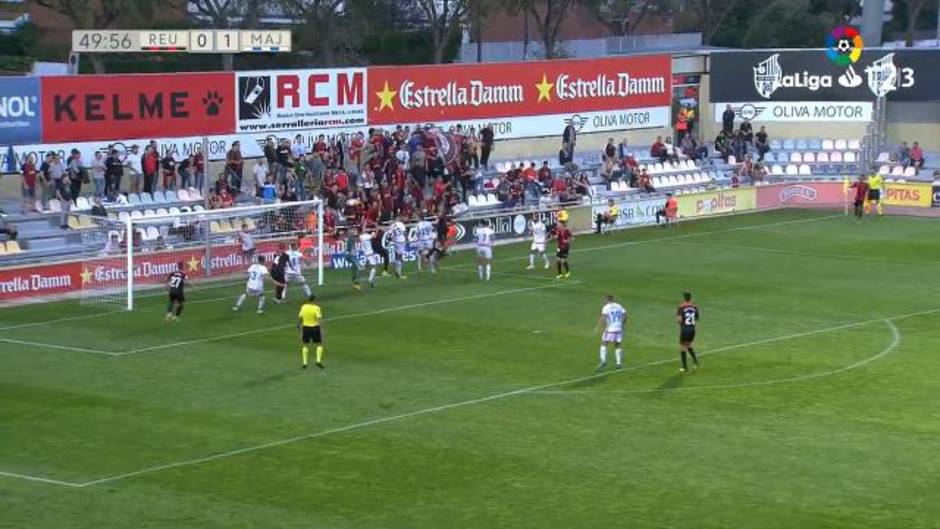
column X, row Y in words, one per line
column 451, row 403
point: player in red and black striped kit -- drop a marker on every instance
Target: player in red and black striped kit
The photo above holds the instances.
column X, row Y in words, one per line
column 175, row 285
column 564, row 246
column 861, row 195
column 687, row 316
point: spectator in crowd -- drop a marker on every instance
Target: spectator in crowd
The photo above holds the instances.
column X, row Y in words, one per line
column 76, row 172
column 28, row 185
column 646, row 182
column 658, row 149
column 610, row 151
column 747, row 129
column 226, row 198
column 98, row 210
column 113, row 246
column 150, row 164
column 758, row 172
column 234, row 165
column 269, row 190
column 903, row 155
column 739, row 145
column 607, row 170
column 186, row 172
column 727, row 120
column 487, row 142
column 270, row 155
column 114, row 171
column 62, row 186
column 723, row 145
column 761, row 144
column 623, row 149
column 917, row 156
column 670, row 152
column 473, row 148
column 57, row 171
column 168, row 168
column 260, row 174
column 98, row 169
column 545, row 174
column 284, row 162
column 564, row 156
column 569, row 140
column 134, row 164
column 691, row 149
column 199, row 169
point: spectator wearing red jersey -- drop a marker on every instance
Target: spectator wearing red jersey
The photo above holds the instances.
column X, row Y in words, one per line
column 150, row 163
column 28, row 185
column 234, row 165
column 658, row 150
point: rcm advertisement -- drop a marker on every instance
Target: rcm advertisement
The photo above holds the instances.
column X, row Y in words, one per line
column 276, row 100
column 456, row 92
column 96, row 107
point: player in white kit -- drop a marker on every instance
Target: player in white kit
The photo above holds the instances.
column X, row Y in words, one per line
column 539, row 238
column 426, row 235
column 371, row 258
column 485, row 235
column 294, row 272
column 612, row 319
column 399, row 234
column 255, row 286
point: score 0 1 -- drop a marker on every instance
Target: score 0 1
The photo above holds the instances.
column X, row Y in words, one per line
column 213, row 41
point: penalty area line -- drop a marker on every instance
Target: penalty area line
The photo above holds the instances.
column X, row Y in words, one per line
column 59, row 347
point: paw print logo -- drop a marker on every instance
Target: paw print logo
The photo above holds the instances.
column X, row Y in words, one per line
column 213, row 103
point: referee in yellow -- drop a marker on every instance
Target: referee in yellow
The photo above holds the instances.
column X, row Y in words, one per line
column 308, row 323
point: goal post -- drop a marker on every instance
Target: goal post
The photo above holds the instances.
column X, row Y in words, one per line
column 130, row 253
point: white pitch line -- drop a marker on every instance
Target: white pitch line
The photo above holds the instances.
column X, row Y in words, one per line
column 895, row 341
column 427, row 411
column 41, row 479
column 349, row 316
column 61, row 347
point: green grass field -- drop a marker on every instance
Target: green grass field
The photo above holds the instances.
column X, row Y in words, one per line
column 447, row 403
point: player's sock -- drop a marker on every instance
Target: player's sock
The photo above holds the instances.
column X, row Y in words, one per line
column 304, row 353
column 261, row 303
column 179, row 310
column 169, row 308
column 880, row 209
column 603, row 354
column 320, row 356
column 480, row 271
column 567, row 268
column 306, row 290
column 372, row 276
column 682, row 354
column 618, row 355
column 558, row 264
column 279, row 293
column 545, row 258
column 531, row 259
column 241, row 299
column 694, row 358
column 489, row 271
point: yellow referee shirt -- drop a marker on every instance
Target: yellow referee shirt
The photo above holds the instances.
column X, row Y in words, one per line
column 310, row 315
column 875, row 181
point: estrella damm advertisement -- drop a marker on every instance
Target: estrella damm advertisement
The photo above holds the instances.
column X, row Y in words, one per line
column 914, row 195
column 717, row 202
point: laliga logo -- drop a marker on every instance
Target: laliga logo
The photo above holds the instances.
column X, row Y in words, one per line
column 844, row 46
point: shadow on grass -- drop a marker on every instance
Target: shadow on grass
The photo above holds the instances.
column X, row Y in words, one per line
column 277, row 377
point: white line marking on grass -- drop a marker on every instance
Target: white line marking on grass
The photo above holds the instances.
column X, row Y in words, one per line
column 58, row 320
column 349, row 316
column 41, row 479
column 60, row 347
column 427, row 411
column 895, row 341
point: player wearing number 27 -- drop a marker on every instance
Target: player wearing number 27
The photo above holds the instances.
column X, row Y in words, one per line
column 175, row 286
column 612, row 319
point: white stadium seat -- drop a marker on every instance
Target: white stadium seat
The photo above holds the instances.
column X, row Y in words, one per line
column 855, row 145
column 792, row 170
column 841, row 145
column 835, row 157
column 850, row 157
column 828, row 145
column 809, row 157
column 884, row 170
column 776, row 170
column 795, row 157
column 822, row 157
column 884, row 158
column 82, row 203
column 805, row 170
column 55, row 206
column 897, row 170
column 910, row 172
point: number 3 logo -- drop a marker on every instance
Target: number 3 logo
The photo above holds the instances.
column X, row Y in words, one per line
column 907, row 77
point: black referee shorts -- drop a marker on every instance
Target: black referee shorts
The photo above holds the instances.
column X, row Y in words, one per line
column 312, row 335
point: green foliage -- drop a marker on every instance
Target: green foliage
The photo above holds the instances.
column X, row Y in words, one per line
column 405, row 47
column 789, row 24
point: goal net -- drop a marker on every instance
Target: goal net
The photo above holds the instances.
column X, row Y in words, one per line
column 130, row 254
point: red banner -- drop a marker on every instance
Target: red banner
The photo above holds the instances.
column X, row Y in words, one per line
column 96, row 107
column 149, row 269
column 418, row 94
